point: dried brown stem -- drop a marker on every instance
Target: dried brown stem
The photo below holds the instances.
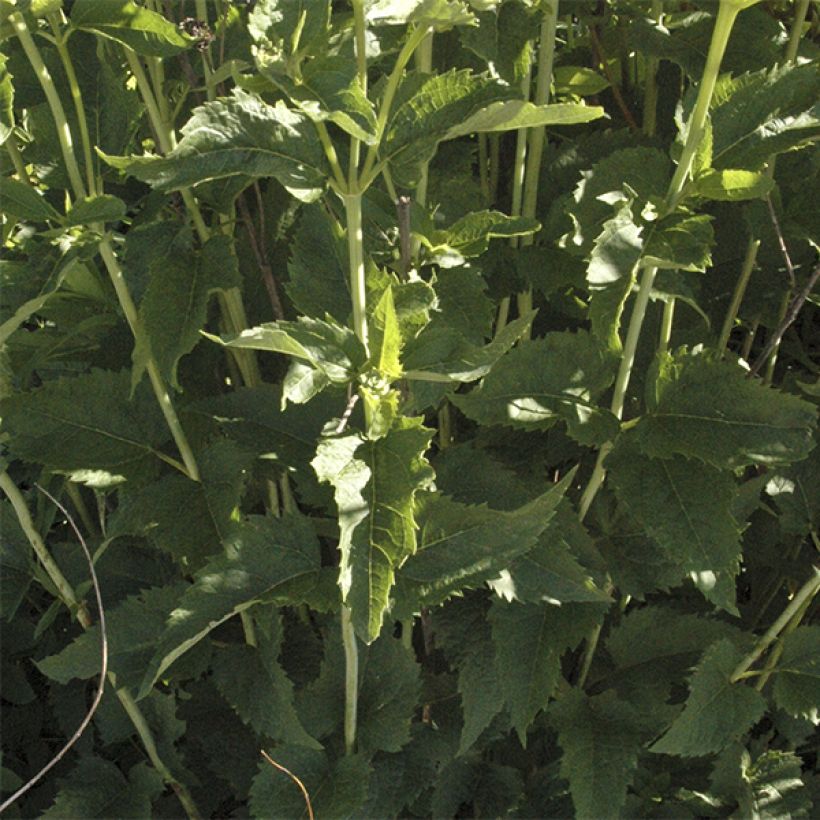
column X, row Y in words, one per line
column 294, row 778
column 260, row 253
column 600, row 56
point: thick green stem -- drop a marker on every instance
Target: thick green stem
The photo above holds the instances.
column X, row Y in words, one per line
column 737, row 296
column 360, row 37
column 74, row 494
column 650, row 97
column 667, row 320
column 519, row 166
column 805, row 593
column 16, row 158
column 424, row 63
column 772, row 360
column 54, row 102
column 351, row 680
column 727, row 13
column 355, row 248
column 69, row 598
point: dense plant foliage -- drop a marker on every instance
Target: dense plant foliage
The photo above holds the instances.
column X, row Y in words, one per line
column 434, row 384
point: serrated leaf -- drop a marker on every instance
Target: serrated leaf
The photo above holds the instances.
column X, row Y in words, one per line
column 258, row 690
column 600, row 737
column 709, row 410
column 96, row 787
column 100, row 208
column 130, row 24
column 797, row 682
column 132, row 628
column 263, row 556
column 184, row 518
column 796, row 492
column 611, row 275
column 685, row 507
column 529, row 640
column 441, row 353
column 757, row 115
column 732, row 185
column 772, row 786
column 578, row 80
column 386, row 342
column 375, row 483
column 6, row 100
column 24, row 202
column 556, row 378
column 440, row 15
column 337, row 788
column 173, row 309
column 681, row 242
column 87, row 422
column 238, row 135
column 717, row 711
column 490, row 789
column 460, row 546
column 16, row 562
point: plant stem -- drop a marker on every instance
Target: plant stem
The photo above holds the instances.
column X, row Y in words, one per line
column 355, row 248
column 424, row 63
column 483, row 170
column 727, row 13
column 58, row 113
column 650, row 98
column 351, row 680
column 519, row 166
column 17, row 159
column 805, row 593
column 73, row 492
column 360, row 35
column 737, row 295
column 69, row 598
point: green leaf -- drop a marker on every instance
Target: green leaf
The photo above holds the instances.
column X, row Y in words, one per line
column 375, row 483
column 440, row 15
column 529, row 640
column 136, row 27
column 463, row 546
column 238, row 135
column 386, row 337
column 797, row 682
column 263, row 558
column 732, row 185
column 685, row 507
column 87, row 422
column 600, row 737
column 174, row 307
column 611, row 275
column 258, row 690
column 717, row 711
column 681, row 242
column 709, row 410
column 578, row 81
column 90, row 209
column 441, row 353
column 757, row 115
column 490, row 789
column 24, row 202
column 95, row 787
column 6, row 101
column 337, row 788
column 16, row 562
column 132, row 628
column 184, row 518
column 796, row 492
column 556, row 378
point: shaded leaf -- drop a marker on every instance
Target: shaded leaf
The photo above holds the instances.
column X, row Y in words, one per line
column 732, row 185
column 681, row 242
column 797, row 682
column 101, row 208
column 24, row 202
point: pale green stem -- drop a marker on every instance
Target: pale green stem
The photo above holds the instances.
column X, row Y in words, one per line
column 73, row 492
column 519, row 166
column 16, row 158
column 800, row 12
column 737, row 295
column 77, row 98
column 424, row 63
column 55, row 104
column 413, row 40
column 667, row 321
column 355, row 247
column 495, row 165
column 351, row 681
column 202, row 14
column 360, row 35
column 69, row 598
column 650, row 99
column 770, row 364
column 332, row 158
column 726, row 16
column 407, row 633
column 483, row 169
column 805, row 593
column 503, row 315
column 589, row 654
column 775, row 654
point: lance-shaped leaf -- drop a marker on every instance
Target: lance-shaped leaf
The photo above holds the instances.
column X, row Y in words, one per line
column 238, row 135
column 174, row 307
column 338, row 788
column 264, row 557
column 87, row 422
column 386, row 341
column 681, row 242
column 332, row 353
column 132, row 628
column 100, row 208
column 130, row 24
column 529, row 640
column 684, row 506
column 717, row 711
column 375, row 483
column 601, row 737
column 731, row 185
column 463, row 546
column 709, row 410
column 441, row 353
column 755, row 116
column 611, row 275
column 553, row 379
column 6, row 101
column 797, row 682
column 24, row 202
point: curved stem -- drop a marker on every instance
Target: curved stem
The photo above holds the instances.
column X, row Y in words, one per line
column 737, row 295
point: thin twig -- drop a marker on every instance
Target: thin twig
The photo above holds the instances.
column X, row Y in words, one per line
column 261, row 259
column 781, row 242
column 352, row 398
column 103, row 663
column 405, row 245
column 788, row 320
column 294, row 778
column 616, row 91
